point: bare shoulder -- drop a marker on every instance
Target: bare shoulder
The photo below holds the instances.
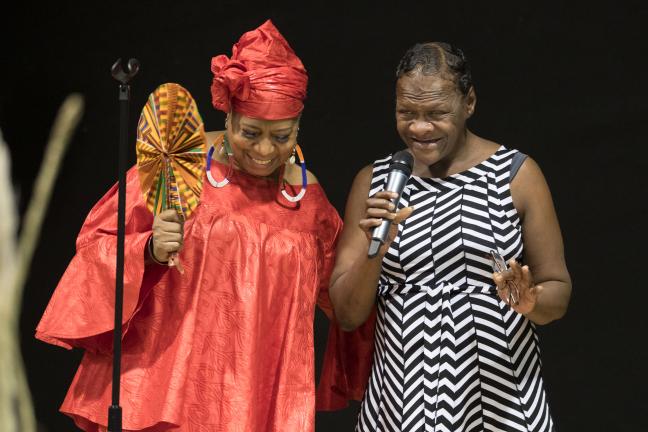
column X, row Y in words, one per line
column 363, row 177
column 529, row 187
column 529, row 174
column 361, row 186
column 362, row 180
column 293, row 175
column 310, row 177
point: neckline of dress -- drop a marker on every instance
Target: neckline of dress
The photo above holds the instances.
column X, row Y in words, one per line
column 452, row 177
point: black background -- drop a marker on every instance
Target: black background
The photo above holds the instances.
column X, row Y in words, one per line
column 564, row 83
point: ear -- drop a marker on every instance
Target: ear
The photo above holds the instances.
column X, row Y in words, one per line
column 295, row 130
column 471, row 102
column 232, row 121
column 228, row 120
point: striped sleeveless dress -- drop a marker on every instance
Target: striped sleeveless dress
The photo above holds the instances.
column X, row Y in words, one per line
column 449, row 354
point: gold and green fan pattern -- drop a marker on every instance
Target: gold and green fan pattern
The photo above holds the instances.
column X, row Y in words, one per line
column 171, row 151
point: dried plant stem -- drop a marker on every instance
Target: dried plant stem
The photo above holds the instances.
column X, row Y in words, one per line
column 16, row 409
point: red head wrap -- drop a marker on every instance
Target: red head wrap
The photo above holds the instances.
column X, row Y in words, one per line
column 264, row 78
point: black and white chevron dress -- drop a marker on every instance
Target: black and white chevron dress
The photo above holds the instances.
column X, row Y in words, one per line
column 449, row 354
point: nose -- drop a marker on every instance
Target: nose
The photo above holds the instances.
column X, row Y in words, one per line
column 264, row 147
column 421, row 127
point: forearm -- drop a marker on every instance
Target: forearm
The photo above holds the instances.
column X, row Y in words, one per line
column 552, row 302
column 353, row 293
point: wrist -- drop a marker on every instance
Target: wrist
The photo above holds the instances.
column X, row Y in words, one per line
column 152, row 254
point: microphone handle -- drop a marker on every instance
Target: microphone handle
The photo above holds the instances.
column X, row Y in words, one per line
column 374, row 247
column 395, row 183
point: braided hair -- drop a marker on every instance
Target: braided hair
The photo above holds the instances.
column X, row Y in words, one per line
column 437, row 58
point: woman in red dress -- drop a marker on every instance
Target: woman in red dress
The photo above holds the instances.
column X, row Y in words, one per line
column 228, row 345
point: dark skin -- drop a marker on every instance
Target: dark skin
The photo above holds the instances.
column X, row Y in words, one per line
column 431, row 117
column 260, row 148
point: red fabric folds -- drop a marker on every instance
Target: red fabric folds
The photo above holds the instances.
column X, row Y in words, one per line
column 263, row 79
column 71, row 317
column 228, row 346
column 346, row 366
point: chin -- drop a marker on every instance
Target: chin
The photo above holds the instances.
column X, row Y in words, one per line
column 427, row 157
column 259, row 172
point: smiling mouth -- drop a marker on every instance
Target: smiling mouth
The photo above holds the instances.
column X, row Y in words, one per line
column 427, row 142
column 261, row 161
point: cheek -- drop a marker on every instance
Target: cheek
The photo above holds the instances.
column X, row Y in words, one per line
column 237, row 143
column 402, row 126
column 238, row 146
column 449, row 126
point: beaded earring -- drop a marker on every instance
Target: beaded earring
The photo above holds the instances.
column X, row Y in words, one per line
column 228, row 150
column 302, row 192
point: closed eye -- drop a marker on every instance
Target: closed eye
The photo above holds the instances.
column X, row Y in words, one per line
column 248, row 134
column 405, row 114
column 282, row 138
column 437, row 114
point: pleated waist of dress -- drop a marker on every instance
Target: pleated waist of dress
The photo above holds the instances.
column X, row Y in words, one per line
column 443, row 287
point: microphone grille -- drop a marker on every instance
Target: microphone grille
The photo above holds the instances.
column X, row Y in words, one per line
column 403, row 161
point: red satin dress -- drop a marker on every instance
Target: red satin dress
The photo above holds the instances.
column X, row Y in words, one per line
column 228, row 346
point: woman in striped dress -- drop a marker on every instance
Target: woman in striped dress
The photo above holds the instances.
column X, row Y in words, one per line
column 455, row 342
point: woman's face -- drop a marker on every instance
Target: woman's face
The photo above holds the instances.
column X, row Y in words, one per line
column 431, row 116
column 260, row 147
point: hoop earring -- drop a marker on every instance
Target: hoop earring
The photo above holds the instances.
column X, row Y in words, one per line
column 210, row 178
column 302, row 192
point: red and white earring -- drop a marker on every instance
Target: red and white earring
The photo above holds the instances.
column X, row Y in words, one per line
column 230, row 158
column 302, row 162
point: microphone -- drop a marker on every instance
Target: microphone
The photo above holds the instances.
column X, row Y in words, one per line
column 399, row 172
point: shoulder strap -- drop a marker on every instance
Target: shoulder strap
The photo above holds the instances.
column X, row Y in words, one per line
column 516, row 163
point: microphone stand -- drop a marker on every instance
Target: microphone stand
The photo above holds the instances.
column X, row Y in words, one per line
column 114, row 411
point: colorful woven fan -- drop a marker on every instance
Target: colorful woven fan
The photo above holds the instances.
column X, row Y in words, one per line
column 171, row 152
